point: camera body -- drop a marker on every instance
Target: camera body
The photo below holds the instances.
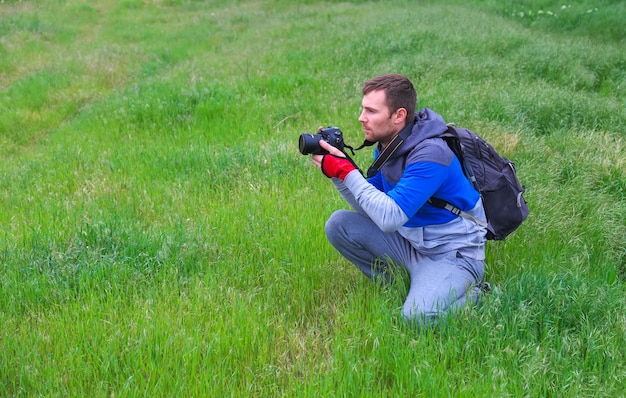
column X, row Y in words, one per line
column 310, row 143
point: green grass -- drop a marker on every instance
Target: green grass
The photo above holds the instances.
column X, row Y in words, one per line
column 162, row 236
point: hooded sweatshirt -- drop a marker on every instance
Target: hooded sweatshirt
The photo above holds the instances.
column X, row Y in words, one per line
column 396, row 198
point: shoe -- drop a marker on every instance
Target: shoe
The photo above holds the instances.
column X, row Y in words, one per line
column 484, row 287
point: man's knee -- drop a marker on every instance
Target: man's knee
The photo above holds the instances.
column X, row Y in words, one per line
column 414, row 314
column 338, row 218
column 336, row 224
column 427, row 314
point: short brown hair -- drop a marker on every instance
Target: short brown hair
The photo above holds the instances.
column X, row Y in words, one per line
column 399, row 92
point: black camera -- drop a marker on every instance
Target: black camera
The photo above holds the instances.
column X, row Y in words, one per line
column 310, row 143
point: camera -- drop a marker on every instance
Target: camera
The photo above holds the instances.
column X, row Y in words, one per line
column 310, row 143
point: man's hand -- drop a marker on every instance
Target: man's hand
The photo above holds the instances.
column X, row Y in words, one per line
column 334, row 163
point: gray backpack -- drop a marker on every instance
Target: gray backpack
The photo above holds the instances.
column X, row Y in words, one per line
column 494, row 177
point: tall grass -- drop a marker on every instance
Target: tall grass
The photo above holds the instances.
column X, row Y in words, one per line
column 161, row 236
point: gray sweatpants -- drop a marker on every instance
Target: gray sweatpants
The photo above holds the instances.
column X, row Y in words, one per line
column 439, row 283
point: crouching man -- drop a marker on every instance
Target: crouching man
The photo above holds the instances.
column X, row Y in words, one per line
column 393, row 224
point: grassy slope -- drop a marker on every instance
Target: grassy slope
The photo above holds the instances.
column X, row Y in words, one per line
column 162, row 235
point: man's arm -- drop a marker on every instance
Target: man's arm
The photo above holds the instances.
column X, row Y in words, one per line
column 346, row 194
column 386, row 210
column 380, row 207
column 394, row 208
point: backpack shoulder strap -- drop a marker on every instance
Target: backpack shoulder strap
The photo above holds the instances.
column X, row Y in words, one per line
column 452, row 138
column 442, row 204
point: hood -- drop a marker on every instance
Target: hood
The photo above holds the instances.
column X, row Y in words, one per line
column 428, row 124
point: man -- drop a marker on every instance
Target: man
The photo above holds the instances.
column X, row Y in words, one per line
column 393, row 224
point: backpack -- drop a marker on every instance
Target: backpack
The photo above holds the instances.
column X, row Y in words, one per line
column 493, row 176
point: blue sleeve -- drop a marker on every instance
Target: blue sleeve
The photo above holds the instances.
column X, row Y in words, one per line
column 418, row 183
column 377, row 181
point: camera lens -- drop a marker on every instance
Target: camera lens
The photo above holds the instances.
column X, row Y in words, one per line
column 310, row 144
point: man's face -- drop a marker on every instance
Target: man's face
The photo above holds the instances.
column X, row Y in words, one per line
column 379, row 124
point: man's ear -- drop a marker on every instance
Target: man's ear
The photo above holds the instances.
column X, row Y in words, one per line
column 400, row 116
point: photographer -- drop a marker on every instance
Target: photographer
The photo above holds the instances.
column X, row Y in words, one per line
column 393, row 224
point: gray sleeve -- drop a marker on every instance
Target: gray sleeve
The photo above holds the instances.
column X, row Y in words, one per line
column 379, row 206
column 346, row 194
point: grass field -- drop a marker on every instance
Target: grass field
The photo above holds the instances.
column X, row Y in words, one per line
column 162, row 236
